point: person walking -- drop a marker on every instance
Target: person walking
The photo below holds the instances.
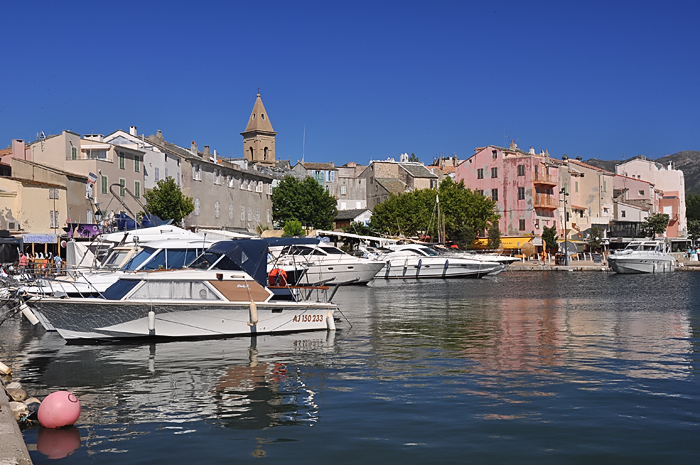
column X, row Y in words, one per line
column 22, row 263
column 57, row 260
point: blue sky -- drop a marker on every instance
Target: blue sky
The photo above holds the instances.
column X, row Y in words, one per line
column 366, row 80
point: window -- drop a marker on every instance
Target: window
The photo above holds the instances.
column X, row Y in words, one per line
column 229, row 181
column 137, row 189
column 89, row 216
column 104, row 184
column 137, row 165
column 480, row 173
column 122, row 185
column 250, row 185
column 521, row 170
column 332, row 176
column 121, row 161
column 494, row 154
column 494, row 194
column 230, row 211
column 217, row 176
column 605, row 189
column 265, row 152
column 259, row 187
column 257, row 215
column 494, row 172
column 268, row 215
column 166, row 174
column 73, row 153
column 196, row 173
column 641, row 192
column 250, row 214
column 480, row 191
column 576, row 186
column 521, row 193
column 622, row 213
column 521, row 225
column 196, row 207
column 217, row 209
column 53, row 219
column 242, row 213
column 156, row 172
column 178, row 179
column 343, row 190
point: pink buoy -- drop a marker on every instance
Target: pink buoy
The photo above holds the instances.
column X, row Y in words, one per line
column 60, row 408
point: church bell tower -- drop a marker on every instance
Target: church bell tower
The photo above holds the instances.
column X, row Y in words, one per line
column 259, row 137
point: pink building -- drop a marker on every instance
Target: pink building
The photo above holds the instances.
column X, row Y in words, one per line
column 524, row 185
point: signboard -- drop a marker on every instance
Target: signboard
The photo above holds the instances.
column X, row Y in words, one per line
column 39, row 238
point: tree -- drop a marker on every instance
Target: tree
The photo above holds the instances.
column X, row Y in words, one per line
column 692, row 207
column 413, row 157
column 462, row 211
column 293, row 228
column 167, row 201
column 549, row 237
column 359, row 228
column 655, row 224
column 306, row 201
column 494, row 236
column 595, row 240
column 694, row 230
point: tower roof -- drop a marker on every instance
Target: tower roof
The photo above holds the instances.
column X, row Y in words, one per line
column 258, row 121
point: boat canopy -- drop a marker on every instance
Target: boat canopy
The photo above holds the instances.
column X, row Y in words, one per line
column 249, row 255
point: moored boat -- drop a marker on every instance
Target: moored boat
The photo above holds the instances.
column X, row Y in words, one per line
column 413, row 261
column 642, row 257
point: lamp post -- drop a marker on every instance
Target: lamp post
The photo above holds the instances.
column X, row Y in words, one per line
column 564, row 194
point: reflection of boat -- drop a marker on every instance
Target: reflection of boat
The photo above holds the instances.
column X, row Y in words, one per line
column 642, row 257
column 223, row 293
column 326, row 263
column 412, row 261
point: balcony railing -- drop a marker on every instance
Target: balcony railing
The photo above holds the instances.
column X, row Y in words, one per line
column 545, row 201
column 543, row 178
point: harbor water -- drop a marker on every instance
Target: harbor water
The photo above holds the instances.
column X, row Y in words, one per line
column 524, row 367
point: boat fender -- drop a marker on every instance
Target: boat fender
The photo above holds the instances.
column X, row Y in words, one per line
column 151, row 323
column 330, row 322
column 253, row 314
column 405, row 264
column 447, row 264
column 27, row 312
column 420, row 263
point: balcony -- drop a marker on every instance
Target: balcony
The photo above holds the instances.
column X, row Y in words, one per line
column 545, row 201
column 545, row 179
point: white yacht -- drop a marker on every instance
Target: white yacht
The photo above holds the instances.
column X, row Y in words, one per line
column 223, row 293
column 326, row 263
column 412, row 261
column 642, row 257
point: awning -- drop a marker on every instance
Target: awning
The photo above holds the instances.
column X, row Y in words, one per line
column 40, row 238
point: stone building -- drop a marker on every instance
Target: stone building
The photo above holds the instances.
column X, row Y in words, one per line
column 259, row 137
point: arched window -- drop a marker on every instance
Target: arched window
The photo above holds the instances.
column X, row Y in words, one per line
column 251, row 153
column 265, row 154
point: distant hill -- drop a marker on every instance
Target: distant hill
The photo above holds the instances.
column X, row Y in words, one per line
column 687, row 161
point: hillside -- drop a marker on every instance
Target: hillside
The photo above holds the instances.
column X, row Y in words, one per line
column 687, row 161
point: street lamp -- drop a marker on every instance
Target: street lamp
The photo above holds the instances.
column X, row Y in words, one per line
column 563, row 193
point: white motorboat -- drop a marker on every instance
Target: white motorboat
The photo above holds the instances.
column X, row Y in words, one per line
column 224, row 293
column 168, row 254
column 642, row 257
column 411, row 261
column 326, row 263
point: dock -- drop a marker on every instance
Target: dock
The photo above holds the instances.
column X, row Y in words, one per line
column 13, row 450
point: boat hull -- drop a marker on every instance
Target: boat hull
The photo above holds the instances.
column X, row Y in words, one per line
column 341, row 273
column 96, row 319
column 400, row 268
column 638, row 265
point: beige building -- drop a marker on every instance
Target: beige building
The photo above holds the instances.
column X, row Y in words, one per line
column 259, row 137
column 386, row 177
column 590, row 199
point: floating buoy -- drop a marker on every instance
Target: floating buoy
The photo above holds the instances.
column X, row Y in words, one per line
column 60, row 408
column 58, row 443
column 253, row 314
column 277, row 277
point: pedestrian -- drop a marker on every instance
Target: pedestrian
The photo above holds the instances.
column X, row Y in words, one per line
column 58, row 261
column 22, row 263
column 30, row 264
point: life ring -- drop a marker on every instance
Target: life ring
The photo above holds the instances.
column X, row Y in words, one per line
column 277, row 277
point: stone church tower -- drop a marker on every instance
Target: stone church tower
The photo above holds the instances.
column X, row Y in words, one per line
column 259, row 137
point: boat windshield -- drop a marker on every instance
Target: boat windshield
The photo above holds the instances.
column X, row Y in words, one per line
column 139, row 259
column 332, row 250
column 428, row 251
column 115, row 259
column 214, row 261
column 171, row 259
column 650, row 247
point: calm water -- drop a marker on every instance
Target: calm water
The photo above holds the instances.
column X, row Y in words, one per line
column 522, row 368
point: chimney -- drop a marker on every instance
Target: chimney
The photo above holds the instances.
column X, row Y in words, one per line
column 19, row 149
column 206, row 149
column 193, row 148
column 579, row 158
column 159, row 136
column 532, row 150
column 132, row 131
column 215, row 157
